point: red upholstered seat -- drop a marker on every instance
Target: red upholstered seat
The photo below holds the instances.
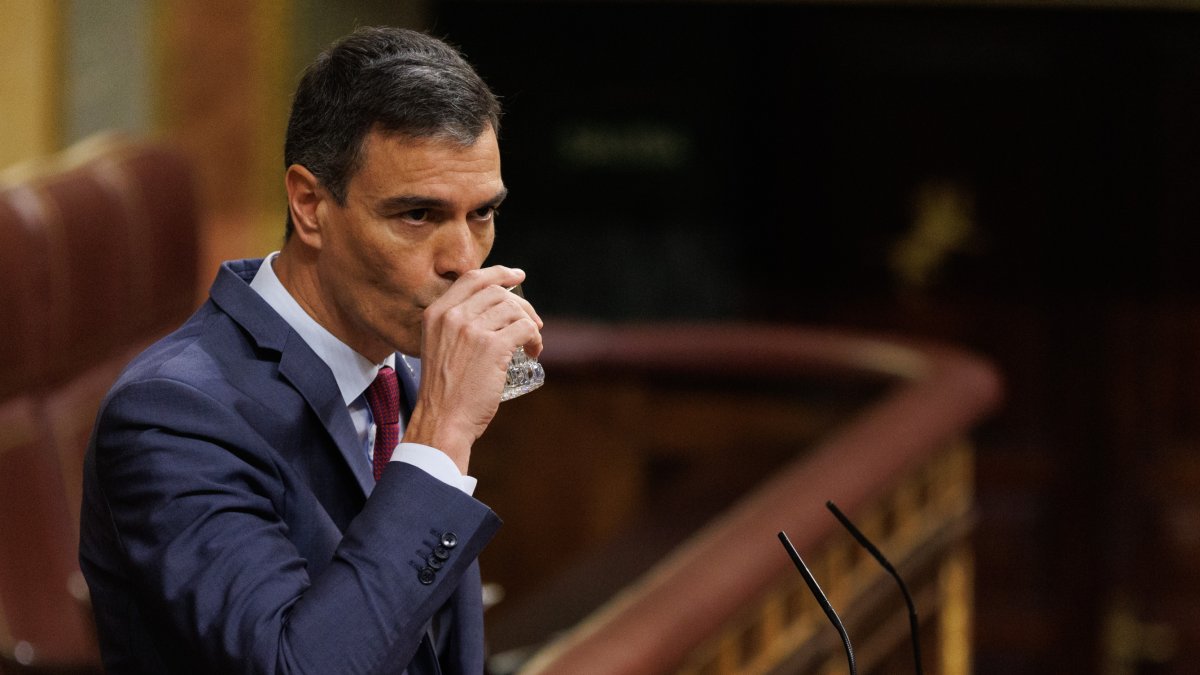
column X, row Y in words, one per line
column 98, row 256
column 24, row 289
column 43, row 622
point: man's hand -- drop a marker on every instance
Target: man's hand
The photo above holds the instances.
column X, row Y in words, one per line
column 468, row 337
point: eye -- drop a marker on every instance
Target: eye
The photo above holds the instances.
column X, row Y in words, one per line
column 486, row 213
column 416, row 215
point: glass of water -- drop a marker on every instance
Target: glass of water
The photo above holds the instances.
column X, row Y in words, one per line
column 524, row 372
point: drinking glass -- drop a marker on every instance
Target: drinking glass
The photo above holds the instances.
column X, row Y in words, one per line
column 524, row 372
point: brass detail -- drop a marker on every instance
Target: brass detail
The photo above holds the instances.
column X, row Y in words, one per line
column 1130, row 642
column 943, row 224
column 956, row 580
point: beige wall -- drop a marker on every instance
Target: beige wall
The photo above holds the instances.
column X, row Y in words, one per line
column 214, row 78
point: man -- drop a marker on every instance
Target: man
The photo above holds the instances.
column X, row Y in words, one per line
column 231, row 519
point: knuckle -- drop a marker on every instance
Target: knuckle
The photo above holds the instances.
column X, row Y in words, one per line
column 455, row 317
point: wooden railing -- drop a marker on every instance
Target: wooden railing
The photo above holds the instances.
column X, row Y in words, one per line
column 724, row 596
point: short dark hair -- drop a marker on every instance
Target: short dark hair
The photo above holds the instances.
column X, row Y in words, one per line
column 393, row 79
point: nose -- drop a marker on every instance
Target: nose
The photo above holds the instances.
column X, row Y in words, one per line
column 458, row 251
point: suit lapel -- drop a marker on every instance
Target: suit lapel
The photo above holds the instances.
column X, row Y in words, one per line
column 313, row 379
column 298, row 364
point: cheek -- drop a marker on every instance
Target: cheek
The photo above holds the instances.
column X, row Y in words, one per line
column 397, row 287
column 486, row 240
column 387, row 288
column 367, row 283
column 379, row 262
column 387, row 307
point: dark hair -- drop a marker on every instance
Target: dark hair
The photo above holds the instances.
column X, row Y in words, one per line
column 394, row 79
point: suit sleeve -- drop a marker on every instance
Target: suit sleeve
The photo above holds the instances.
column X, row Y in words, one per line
column 196, row 497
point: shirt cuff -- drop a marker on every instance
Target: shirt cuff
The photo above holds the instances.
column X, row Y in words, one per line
column 435, row 463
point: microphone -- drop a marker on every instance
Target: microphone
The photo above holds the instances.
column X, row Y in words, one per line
column 815, row 588
column 820, row 596
column 914, row 627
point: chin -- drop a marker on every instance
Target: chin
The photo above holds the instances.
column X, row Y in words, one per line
column 409, row 348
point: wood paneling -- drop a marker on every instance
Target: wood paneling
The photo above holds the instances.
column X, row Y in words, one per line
column 642, row 487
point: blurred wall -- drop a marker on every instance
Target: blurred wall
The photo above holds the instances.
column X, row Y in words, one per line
column 1020, row 182
column 71, row 68
column 107, row 67
column 1017, row 178
column 29, row 79
column 213, row 79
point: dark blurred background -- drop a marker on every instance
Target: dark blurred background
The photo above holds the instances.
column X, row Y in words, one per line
column 1017, row 178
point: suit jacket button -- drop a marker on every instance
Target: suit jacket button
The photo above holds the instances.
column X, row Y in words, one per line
column 426, row 575
column 449, row 539
column 441, row 552
column 434, row 563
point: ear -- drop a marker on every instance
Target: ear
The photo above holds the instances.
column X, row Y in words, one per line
column 305, row 195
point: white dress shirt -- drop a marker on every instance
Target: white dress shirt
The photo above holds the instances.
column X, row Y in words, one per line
column 353, row 373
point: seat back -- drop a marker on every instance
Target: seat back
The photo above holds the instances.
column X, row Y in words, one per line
column 98, row 257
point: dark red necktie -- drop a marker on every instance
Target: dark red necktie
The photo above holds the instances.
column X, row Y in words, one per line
column 383, row 396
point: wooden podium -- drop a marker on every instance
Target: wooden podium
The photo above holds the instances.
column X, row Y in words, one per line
column 643, row 488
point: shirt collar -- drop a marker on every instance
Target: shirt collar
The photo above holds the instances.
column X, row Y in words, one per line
column 352, row 371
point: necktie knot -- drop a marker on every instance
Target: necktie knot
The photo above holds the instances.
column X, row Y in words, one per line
column 383, row 397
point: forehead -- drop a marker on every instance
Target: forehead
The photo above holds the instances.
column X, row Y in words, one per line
column 393, row 164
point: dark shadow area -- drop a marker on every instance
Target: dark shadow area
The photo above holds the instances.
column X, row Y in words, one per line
column 1016, row 181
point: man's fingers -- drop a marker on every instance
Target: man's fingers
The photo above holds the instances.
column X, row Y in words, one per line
column 501, row 307
column 492, row 307
column 523, row 333
column 479, row 309
column 472, row 282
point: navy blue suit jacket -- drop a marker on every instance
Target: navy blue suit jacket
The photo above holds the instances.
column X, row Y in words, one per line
column 230, row 522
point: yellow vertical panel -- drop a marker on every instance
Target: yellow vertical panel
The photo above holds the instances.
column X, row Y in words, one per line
column 30, row 82
column 956, row 581
column 273, row 32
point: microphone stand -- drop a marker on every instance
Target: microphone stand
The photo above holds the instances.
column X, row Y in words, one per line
column 815, row 588
column 914, row 627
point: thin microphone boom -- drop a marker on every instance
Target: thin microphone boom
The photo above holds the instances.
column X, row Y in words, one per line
column 914, row 627
column 820, row 596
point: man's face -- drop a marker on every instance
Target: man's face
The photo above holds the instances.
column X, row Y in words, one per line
column 419, row 213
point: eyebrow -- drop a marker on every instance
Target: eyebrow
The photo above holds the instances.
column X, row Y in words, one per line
column 405, row 202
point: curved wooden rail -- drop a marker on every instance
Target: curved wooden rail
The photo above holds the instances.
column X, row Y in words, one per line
column 688, row 598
